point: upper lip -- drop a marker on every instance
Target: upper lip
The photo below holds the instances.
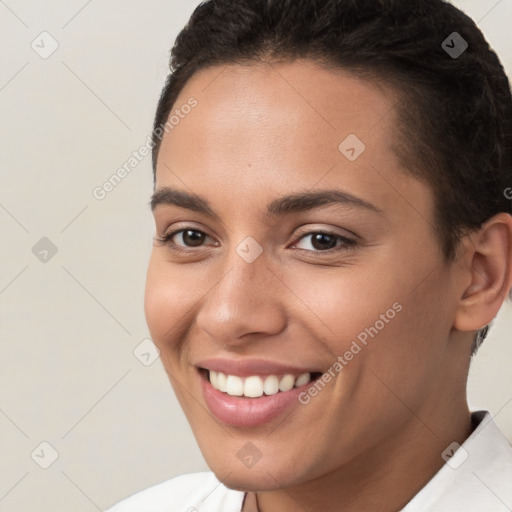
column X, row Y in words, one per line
column 247, row 367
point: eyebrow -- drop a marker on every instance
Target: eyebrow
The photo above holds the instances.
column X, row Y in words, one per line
column 297, row 202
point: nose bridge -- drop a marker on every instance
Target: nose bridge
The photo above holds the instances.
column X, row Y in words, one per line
column 247, row 269
column 245, row 300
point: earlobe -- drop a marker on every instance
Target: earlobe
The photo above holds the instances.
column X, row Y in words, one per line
column 488, row 267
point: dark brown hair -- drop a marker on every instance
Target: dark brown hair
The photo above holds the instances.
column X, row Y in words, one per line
column 454, row 111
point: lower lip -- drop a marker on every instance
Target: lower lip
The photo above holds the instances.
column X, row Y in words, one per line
column 248, row 412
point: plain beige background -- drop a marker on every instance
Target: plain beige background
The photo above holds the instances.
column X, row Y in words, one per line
column 71, row 325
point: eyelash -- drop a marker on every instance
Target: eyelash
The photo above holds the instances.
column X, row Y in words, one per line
column 347, row 243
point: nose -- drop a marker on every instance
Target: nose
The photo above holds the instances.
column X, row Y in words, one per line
column 245, row 301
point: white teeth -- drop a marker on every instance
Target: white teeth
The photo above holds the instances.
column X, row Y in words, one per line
column 221, row 382
column 286, row 383
column 302, row 379
column 255, row 386
column 234, row 385
column 271, row 385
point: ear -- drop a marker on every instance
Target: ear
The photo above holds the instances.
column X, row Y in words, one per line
column 487, row 270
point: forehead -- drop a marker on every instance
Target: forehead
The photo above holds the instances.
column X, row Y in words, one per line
column 281, row 126
column 295, row 106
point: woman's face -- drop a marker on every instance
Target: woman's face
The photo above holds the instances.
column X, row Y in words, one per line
column 352, row 283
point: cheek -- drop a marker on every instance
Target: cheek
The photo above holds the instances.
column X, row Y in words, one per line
column 392, row 313
column 344, row 301
column 405, row 361
column 168, row 300
column 158, row 301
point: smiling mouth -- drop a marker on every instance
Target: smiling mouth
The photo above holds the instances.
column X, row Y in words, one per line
column 256, row 386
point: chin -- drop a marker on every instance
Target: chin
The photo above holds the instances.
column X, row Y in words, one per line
column 260, row 477
column 250, row 481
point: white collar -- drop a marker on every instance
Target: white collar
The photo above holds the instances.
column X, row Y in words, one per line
column 477, row 478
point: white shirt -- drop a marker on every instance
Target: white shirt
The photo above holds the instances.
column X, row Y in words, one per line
column 477, row 478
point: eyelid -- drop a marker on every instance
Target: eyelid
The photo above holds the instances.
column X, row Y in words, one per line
column 308, row 229
column 177, row 227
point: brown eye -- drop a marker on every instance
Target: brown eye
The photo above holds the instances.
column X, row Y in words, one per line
column 323, row 241
column 192, row 237
column 189, row 238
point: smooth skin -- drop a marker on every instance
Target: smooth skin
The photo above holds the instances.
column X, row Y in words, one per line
column 373, row 437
